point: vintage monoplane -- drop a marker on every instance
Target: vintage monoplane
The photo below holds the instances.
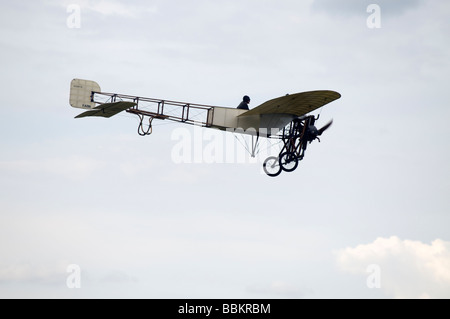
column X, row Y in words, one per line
column 285, row 118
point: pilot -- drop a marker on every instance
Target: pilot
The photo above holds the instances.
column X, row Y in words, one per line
column 244, row 103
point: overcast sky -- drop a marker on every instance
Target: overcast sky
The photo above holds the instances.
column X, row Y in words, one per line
column 365, row 215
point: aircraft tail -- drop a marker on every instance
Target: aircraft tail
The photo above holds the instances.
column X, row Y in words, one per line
column 81, row 92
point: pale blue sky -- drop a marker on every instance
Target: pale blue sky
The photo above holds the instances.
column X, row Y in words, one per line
column 94, row 193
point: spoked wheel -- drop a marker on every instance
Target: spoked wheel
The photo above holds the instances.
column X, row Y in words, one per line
column 288, row 161
column 272, row 166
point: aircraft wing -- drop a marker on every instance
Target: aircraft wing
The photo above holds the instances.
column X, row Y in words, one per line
column 295, row 104
column 107, row 109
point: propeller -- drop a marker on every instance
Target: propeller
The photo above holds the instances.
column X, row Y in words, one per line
column 323, row 129
column 314, row 133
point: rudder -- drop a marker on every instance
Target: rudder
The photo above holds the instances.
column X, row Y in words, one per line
column 81, row 93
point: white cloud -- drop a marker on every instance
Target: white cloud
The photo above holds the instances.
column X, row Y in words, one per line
column 408, row 269
column 278, row 288
column 117, row 276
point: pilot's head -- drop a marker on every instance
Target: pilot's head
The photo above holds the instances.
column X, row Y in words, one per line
column 246, row 99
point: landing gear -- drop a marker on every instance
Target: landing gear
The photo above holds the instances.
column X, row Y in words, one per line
column 288, row 161
column 295, row 137
column 272, row 166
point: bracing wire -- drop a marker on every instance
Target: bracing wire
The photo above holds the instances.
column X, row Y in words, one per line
column 244, row 145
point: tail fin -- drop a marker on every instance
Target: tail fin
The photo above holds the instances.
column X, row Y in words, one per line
column 81, row 93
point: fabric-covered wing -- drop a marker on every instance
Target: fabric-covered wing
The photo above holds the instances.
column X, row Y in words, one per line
column 107, row 109
column 296, row 104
